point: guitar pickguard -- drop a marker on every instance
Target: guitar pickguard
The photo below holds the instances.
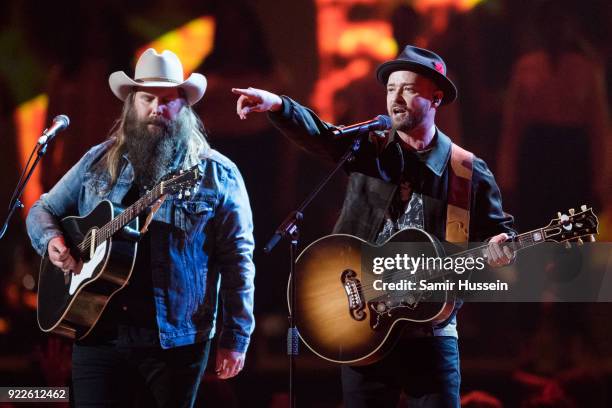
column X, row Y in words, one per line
column 88, row 269
column 385, row 309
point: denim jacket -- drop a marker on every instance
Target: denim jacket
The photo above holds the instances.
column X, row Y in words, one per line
column 203, row 246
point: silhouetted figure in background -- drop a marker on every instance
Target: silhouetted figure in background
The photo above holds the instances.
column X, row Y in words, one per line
column 555, row 131
column 552, row 157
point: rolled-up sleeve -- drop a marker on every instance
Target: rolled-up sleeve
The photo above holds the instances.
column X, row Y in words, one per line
column 61, row 200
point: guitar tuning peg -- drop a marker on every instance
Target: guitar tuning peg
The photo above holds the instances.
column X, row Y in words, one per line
column 559, row 214
column 180, row 195
column 187, row 193
column 580, row 241
column 568, row 245
column 590, row 238
column 583, row 207
column 572, row 211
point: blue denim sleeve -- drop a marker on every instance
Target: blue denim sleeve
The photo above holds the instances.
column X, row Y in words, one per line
column 60, row 201
column 235, row 244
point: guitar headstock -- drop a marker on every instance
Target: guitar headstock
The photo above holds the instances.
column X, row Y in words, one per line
column 185, row 182
column 573, row 226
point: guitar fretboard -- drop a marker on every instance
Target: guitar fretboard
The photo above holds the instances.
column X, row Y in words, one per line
column 521, row 241
column 110, row 228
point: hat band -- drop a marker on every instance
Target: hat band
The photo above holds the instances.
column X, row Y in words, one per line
column 156, row 79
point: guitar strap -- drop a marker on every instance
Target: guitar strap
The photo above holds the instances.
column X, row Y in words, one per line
column 459, row 195
column 154, row 209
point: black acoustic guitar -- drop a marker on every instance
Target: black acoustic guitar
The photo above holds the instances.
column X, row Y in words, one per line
column 105, row 241
column 343, row 317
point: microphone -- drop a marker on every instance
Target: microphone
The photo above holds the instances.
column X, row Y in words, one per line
column 380, row 122
column 60, row 122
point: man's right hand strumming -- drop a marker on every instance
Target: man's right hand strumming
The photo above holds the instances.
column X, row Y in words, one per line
column 59, row 255
column 256, row 100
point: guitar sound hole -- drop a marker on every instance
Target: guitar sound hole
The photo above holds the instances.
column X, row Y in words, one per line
column 84, row 249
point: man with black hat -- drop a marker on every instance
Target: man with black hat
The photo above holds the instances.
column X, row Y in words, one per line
column 416, row 177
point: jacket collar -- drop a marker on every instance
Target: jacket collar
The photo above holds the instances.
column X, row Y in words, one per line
column 175, row 166
column 436, row 157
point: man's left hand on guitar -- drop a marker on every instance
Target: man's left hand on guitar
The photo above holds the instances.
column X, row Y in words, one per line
column 499, row 255
column 229, row 363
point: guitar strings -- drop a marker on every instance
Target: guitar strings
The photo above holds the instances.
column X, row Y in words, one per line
column 418, row 275
column 523, row 240
column 119, row 221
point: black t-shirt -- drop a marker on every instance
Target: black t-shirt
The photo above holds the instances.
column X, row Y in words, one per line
column 136, row 299
column 130, row 316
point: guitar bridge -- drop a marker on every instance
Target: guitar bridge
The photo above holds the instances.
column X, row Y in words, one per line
column 352, row 287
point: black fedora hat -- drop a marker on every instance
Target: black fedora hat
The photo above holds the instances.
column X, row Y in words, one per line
column 423, row 62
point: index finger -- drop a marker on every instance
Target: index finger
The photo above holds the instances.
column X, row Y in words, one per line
column 60, row 252
column 58, row 245
column 508, row 252
column 246, row 92
column 63, row 256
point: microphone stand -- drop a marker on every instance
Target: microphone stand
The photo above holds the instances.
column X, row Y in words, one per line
column 40, row 149
column 289, row 228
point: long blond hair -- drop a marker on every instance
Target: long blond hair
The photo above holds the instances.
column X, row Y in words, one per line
column 197, row 145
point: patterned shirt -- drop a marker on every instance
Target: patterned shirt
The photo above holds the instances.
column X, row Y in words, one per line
column 406, row 211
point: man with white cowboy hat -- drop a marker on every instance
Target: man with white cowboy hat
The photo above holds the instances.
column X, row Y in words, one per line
column 402, row 179
column 158, row 329
column 155, row 70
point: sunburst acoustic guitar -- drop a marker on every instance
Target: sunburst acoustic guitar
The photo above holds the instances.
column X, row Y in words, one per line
column 342, row 318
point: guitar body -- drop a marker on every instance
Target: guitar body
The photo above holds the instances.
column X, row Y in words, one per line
column 71, row 304
column 339, row 315
column 345, row 316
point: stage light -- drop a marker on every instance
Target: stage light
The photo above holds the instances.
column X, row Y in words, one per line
column 29, row 119
column 192, row 42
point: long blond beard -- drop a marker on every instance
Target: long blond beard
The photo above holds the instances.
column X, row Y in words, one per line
column 153, row 151
column 197, row 146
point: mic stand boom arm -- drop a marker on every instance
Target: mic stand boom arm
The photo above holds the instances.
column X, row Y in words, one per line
column 290, row 225
column 289, row 228
column 40, row 149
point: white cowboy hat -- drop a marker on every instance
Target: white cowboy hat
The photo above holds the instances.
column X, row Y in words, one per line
column 158, row 70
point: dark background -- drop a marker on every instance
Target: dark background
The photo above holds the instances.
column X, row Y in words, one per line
column 67, row 49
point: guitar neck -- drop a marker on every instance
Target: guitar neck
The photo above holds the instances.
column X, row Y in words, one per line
column 565, row 228
column 110, row 228
column 521, row 241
